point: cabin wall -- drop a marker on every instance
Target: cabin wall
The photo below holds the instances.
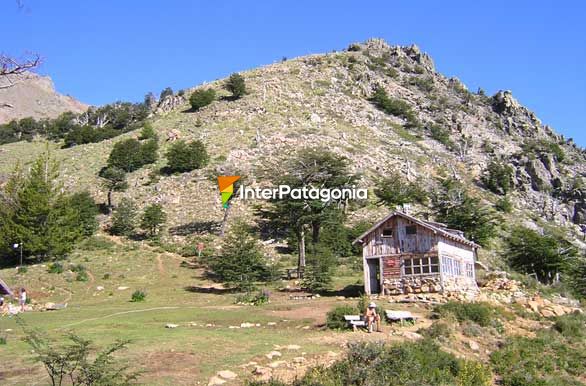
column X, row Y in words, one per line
column 457, row 266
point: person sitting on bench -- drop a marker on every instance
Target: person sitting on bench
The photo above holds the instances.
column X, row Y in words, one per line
column 371, row 316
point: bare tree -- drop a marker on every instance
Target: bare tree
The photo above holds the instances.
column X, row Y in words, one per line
column 14, row 70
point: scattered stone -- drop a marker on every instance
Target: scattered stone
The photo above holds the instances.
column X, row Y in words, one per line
column 271, row 324
column 171, row 325
column 122, row 288
column 273, row 354
column 227, row 374
column 232, row 327
column 276, row 364
column 214, row 381
column 412, row 335
column 293, row 347
column 299, row 360
column 99, row 288
column 264, row 372
column 473, row 345
column 246, row 325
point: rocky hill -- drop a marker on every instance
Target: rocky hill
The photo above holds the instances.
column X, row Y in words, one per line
column 323, row 101
column 34, row 96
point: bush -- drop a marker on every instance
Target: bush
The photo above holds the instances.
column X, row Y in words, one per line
column 55, row 267
column 318, row 273
column 201, row 98
column 474, row 374
column 439, row 330
column 498, row 177
column 236, row 85
column 393, row 106
column 148, row 132
column 165, row 93
column 394, row 190
column 504, row 205
column 257, row 299
column 442, row 135
column 335, row 318
column 184, row 157
column 138, row 296
column 82, row 276
column 571, row 326
column 2, row 340
column 22, row 270
column 479, row 313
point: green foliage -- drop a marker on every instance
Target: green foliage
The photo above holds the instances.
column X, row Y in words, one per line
column 130, row 154
column 255, row 299
column 409, row 363
column 571, row 325
column 236, row 85
column 354, row 47
column 186, row 156
column 241, row 262
column 504, row 205
column 168, row 91
column 442, row 135
column 543, row 146
column 335, row 318
column 439, row 330
column 549, row 359
column 113, row 180
column 152, row 219
column 320, row 264
column 577, row 276
column 35, row 211
column 498, row 177
column 201, row 98
column 22, row 270
column 532, row 253
column 94, row 125
column 3, row 341
column 124, row 218
column 55, row 267
column 425, row 84
column 454, row 207
column 482, row 314
column 393, row 106
column 394, row 190
column 138, row 296
column 148, row 132
column 74, row 363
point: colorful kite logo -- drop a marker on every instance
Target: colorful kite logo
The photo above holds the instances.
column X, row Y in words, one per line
column 226, row 185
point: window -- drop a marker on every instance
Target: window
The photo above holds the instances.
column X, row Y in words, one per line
column 470, row 270
column 387, row 232
column 453, row 267
column 421, row 265
column 411, row 229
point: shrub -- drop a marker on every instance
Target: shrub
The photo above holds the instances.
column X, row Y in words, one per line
column 236, row 85
column 442, row 135
column 184, row 157
column 201, row 98
column 138, row 296
column 395, row 190
column 168, row 91
column 504, row 205
column 129, row 154
column 474, row 374
column 82, row 276
column 55, row 267
column 479, row 313
column 318, row 273
column 571, row 326
column 335, row 318
column 2, row 340
column 439, row 330
column 393, row 106
column 257, row 299
column 22, row 269
column 498, row 177
column 354, row 47
column 147, row 132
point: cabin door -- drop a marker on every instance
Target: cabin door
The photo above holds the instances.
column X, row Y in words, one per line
column 374, row 275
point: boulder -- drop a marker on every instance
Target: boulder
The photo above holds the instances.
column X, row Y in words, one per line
column 227, row 374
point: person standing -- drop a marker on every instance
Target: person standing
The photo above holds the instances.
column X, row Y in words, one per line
column 22, row 299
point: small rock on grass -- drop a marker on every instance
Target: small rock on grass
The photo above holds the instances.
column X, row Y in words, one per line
column 273, row 354
column 227, row 374
column 171, row 325
column 214, row 381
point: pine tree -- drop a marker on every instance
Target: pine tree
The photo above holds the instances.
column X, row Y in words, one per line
column 236, row 85
column 241, row 263
column 114, row 180
column 153, row 217
column 320, row 263
column 124, row 218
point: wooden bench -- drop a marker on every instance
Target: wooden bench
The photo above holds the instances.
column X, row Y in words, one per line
column 400, row 316
column 355, row 321
column 292, row 273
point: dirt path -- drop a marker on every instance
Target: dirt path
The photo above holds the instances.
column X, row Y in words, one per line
column 160, row 265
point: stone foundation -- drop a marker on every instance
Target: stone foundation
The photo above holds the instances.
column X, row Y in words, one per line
column 427, row 284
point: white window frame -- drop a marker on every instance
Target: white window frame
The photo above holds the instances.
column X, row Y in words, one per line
column 425, row 265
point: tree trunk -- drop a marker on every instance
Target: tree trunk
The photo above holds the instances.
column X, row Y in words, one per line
column 110, row 201
column 225, row 220
column 301, row 245
column 315, row 228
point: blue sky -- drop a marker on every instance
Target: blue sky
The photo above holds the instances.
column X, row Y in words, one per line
column 101, row 51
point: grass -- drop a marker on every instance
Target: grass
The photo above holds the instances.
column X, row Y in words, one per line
column 106, row 315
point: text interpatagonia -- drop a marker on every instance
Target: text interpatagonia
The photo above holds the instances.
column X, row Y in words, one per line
column 303, row 193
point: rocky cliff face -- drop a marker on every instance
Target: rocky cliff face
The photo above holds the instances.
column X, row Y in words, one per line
column 35, row 96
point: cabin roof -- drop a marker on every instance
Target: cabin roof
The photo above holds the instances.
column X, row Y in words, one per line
column 5, row 289
column 435, row 227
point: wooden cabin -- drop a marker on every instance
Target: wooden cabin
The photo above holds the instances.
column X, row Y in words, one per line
column 402, row 254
